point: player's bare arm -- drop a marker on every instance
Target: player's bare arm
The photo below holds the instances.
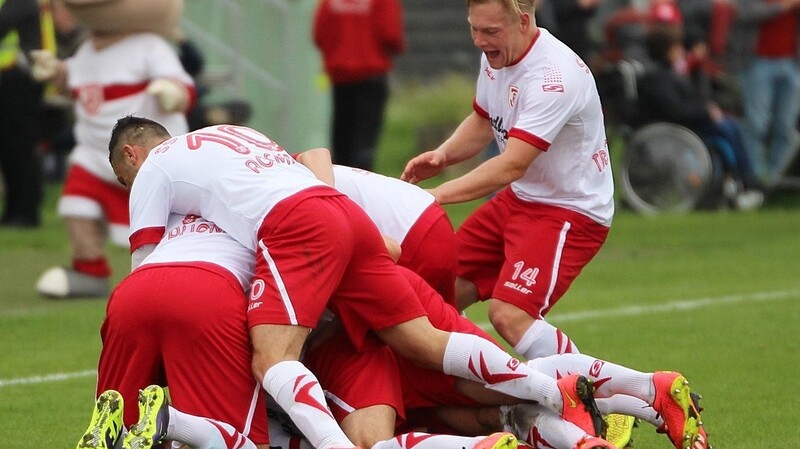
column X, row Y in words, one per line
column 491, row 176
column 319, row 161
column 469, row 139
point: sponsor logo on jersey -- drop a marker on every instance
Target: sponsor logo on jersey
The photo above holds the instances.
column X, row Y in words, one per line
column 489, row 73
column 513, row 94
column 553, row 87
column 497, row 124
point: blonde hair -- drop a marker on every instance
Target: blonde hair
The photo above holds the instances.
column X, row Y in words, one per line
column 514, row 8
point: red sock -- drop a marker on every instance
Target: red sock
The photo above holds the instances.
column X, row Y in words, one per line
column 93, row 267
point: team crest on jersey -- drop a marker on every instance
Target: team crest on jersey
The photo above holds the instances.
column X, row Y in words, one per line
column 90, row 98
column 513, row 95
column 553, row 88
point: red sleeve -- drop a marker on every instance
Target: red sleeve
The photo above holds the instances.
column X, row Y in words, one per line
column 390, row 17
column 477, row 108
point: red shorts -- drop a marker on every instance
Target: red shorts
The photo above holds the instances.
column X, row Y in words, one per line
column 430, row 249
column 324, row 251
column 183, row 326
column 524, row 253
column 353, row 379
column 113, row 199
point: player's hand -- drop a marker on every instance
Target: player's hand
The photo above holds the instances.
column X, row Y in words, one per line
column 424, row 166
column 45, row 65
column 171, row 95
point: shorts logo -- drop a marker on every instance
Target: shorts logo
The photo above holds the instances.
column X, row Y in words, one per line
column 513, row 95
column 553, row 88
column 257, row 289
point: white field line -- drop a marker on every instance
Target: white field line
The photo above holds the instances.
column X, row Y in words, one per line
column 683, row 305
column 555, row 318
column 49, row 378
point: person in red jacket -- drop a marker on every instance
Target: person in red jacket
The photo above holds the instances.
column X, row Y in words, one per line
column 358, row 40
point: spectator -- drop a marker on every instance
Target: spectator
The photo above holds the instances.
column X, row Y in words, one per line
column 573, row 18
column 21, row 31
column 763, row 53
column 358, row 40
column 667, row 95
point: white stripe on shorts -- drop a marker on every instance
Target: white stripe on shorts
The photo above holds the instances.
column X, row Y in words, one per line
column 562, row 238
column 287, row 302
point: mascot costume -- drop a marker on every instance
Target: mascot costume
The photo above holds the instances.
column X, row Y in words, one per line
column 124, row 67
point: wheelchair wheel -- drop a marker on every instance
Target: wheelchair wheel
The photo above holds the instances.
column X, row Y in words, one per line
column 665, row 168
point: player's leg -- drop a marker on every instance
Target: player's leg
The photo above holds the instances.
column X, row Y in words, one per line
column 299, row 263
column 159, row 422
column 545, row 249
column 131, row 358
column 473, row 358
column 210, row 321
column 668, row 393
column 362, row 386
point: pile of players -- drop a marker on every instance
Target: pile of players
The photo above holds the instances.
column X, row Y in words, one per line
column 338, row 291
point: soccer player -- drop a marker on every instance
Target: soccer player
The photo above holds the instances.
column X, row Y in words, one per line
column 522, row 249
column 179, row 319
column 406, row 213
column 312, row 245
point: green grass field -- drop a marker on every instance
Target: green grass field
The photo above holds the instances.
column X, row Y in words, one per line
column 714, row 295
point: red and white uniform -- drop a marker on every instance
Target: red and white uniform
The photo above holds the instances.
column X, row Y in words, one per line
column 108, row 84
column 312, row 244
column 180, row 320
column 376, row 376
column 410, row 216
column 527, row 244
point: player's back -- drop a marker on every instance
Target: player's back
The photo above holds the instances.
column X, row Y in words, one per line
column 394, row 205
column 231, row 175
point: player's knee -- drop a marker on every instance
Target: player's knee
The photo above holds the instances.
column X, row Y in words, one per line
column 509, row 320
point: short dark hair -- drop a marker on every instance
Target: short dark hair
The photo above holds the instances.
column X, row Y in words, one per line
column 134, row 130
column 660, row 39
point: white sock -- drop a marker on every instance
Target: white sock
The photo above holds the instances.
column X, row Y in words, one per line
column 629, row 405
column 417, row 440
column 548, row 430
column 204, row 433
column 281, row 439
column 609, row 378
column 298, row 392
column 543, row 339
column 477, row 359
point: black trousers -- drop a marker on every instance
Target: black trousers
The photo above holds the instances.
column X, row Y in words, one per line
column 20, row 101
column 358, row 112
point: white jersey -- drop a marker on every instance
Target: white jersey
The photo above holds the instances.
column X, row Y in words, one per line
column 231, row 175
column 393, row 205
column 111, row 83
column 549, row 99
column 190, row 238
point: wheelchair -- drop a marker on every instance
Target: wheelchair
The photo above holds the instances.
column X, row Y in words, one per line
column 664, row 167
